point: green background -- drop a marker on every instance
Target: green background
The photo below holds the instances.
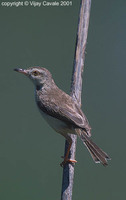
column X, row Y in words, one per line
column 29, row 149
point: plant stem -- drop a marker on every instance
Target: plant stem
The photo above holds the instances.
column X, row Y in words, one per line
column 76, row 88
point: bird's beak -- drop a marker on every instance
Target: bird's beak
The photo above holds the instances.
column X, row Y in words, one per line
column 22, row 71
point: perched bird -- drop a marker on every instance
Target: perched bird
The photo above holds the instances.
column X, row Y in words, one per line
column 62, row 113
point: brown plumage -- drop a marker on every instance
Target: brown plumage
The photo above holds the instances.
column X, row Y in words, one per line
column 61, row 112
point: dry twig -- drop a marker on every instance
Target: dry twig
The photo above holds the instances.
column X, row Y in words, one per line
column 76, row 87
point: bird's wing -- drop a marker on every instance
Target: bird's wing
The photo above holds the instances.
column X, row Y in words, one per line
column 75, row 116
column 66, row 110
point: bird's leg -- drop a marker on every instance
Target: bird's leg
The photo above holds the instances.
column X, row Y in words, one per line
column 66, row 159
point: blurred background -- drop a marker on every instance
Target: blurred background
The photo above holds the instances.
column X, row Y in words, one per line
column 30, row 151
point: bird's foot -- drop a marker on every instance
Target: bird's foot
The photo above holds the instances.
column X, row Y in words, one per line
column 66, row 161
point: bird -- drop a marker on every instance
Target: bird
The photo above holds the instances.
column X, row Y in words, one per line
column 62, row 113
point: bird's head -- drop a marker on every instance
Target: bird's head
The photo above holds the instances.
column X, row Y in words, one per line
column 38, row 75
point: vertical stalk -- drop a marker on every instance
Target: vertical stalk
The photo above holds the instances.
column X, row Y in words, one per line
column 76, row 88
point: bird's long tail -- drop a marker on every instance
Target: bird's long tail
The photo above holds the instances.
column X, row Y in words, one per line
column 98, row 155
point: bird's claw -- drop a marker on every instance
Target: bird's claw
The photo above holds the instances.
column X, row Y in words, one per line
column 62, row 164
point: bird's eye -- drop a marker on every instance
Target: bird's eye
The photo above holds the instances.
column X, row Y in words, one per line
column 35, row 73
